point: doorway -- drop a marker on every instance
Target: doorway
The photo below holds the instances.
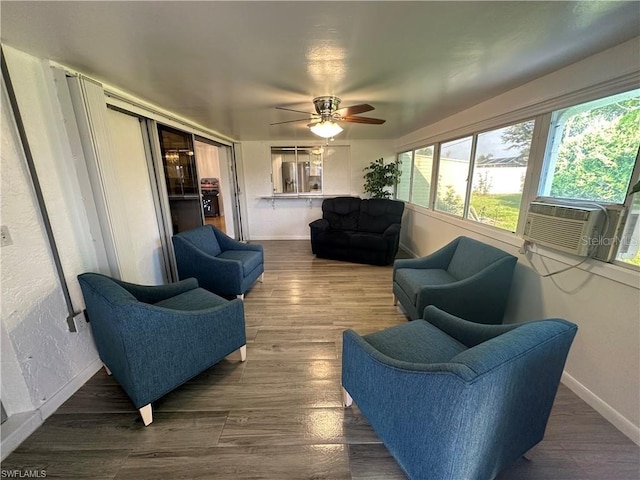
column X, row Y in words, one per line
column 216, row 184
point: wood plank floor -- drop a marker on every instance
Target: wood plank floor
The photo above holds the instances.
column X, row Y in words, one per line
column 279, row 415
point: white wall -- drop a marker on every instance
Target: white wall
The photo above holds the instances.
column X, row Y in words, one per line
column 604, row 362
column 287, row 219
column 37, row 344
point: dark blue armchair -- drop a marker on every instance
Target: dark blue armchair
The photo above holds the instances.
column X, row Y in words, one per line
column 453, row 399
column 456, row 400
column 155, row 338
column 466, row 278
column 221, row 264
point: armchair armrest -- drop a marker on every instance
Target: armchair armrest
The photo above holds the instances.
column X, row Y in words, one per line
column 228, row 243
column 553, row 335
column 485, row 294
column 166, row 347
column 353, row 339
column 466, row 332
column 156, row 293
column 439, row 259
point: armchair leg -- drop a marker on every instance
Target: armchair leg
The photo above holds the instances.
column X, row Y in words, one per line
column 146, row 414
column 346, row 398
column 106, row 369
column 261, row 278
column 241, row 296
column 243, row 353
column 395, row 301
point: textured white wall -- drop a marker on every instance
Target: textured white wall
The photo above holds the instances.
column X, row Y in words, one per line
column 291, row 217
column 33, row 311
column 604, row 361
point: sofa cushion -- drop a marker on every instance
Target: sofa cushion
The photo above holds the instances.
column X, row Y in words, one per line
column 377, row 214
column 250, row 259
column 341, row 212
column 411, row 280
column 334, row 238
column 196, row 299
column 416, row 342
column 368, row 241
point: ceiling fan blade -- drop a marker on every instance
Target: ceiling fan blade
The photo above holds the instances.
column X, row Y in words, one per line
column 291, row 121
column 371, row 121
column 292, row 110
column 354, row 110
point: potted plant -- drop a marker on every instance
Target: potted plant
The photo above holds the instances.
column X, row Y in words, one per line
column 379, row 176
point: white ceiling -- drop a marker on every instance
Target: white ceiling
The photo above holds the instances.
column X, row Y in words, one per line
column 226, row 65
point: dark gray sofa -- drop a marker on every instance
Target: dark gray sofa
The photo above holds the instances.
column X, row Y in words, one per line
column 358, row 230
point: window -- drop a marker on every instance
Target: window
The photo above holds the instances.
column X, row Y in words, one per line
column 296, row 170
column 499, row 170
column 421, row 179
column 593, row 148
column 403, row 188
column 628, row 250
column 453, row 172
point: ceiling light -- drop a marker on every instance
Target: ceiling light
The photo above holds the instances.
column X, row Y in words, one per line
column 326, row 129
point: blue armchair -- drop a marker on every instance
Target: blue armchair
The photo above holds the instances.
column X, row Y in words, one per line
column 155, row 338
column 466, row 278
column 453, row 399
column 221, row 264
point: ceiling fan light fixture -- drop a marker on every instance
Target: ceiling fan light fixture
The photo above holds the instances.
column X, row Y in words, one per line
column 326, row 129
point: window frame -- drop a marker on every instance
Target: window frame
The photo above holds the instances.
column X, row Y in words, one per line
column 552, row 144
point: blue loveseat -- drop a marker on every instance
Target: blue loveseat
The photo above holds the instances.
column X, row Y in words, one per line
column 453, row 399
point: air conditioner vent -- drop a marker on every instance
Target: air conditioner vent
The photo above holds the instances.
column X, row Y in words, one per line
column 573, row 229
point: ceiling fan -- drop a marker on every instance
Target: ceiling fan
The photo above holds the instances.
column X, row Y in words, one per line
column 323, row 121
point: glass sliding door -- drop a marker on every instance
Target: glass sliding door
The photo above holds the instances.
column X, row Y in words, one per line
column 181, row 178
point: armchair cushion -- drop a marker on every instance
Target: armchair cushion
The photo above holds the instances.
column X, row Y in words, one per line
column 412, row 280
column 196, row 299
column 249, row 259
column 416, row 342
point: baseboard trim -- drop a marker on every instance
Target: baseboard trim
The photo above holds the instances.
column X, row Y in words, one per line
column 279, row 237
column 19, row 426
column 17, row 429
column 49, row 407
column 603, row 408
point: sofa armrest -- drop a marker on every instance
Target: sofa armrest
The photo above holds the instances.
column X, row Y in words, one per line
column 392, row 230
column 320, row 224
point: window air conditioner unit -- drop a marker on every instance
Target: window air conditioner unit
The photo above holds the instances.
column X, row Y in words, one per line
column 574, row 228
